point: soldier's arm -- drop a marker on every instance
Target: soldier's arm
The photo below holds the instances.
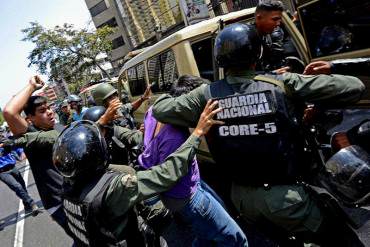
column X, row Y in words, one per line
column 39, row 139
column 127, row 189
column 324, row 89
column 356, row 66
column 131, row 137
column 183, row 110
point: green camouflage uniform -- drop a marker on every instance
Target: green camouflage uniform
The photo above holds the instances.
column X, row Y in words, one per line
column 65, row 119
column 131, row 187
column 288, row 206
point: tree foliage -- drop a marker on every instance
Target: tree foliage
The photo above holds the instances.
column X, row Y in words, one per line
column 1, row 117
column 64, row 52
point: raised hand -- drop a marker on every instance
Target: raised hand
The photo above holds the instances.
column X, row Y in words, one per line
column 316, row 68
column 206, row 120
column 111, row 112
column 36, row 82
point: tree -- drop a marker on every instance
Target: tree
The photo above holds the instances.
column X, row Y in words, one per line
column 1, row 117
column 66, row 53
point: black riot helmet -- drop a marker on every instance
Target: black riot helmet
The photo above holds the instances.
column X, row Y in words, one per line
column 347, row 175
column 94, row 113
column 237, row 45
column 73, row 98
column 80, row 151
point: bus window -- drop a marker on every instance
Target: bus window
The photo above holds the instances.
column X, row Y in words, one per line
column 136, row 79
column 337, row 26
column 169, row 69
column 154, row 73
column 162, row 71
column 203, row 55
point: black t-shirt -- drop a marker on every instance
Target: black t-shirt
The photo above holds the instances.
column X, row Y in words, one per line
column 48, row 180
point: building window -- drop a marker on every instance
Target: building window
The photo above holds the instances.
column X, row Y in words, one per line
column 110, row 23
column 117, row 42
column 98, row 8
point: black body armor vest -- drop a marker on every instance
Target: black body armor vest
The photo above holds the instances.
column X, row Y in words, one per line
column 85, row 217
column 117, row 150
column 260, row 142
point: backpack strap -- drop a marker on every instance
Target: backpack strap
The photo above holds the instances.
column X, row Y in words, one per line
column 275, row 82
column 96, row 196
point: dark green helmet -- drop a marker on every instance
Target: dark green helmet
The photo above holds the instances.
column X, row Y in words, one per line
column 102, row 92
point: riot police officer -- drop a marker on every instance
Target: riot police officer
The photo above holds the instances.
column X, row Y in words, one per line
column 260, row 145
column 105, row 93
column 117, row 148
column 124, row 146
column 99, row 204
column 75, row 103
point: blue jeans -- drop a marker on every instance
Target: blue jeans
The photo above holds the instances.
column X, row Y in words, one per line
column 210, row 222
column 15, row 182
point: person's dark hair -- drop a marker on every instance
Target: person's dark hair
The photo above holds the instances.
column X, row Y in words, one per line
column 185, row 84
column 269, row 5
column 32, row 103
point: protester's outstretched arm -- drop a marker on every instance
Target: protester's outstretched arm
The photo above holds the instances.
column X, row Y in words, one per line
column 12, row 111
column 137, row 103
column 39, row 139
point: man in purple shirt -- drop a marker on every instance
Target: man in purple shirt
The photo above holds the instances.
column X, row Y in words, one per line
column 196, row 206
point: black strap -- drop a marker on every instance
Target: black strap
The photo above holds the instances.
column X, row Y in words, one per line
column 215, row 89
column 96, row 187
column 96, row 196
column 273, row 81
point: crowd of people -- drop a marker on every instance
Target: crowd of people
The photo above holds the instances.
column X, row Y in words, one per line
column 98, row 171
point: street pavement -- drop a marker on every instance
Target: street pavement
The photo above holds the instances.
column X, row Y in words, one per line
column 42, row 231
column 19, row 230
column 39, row 231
